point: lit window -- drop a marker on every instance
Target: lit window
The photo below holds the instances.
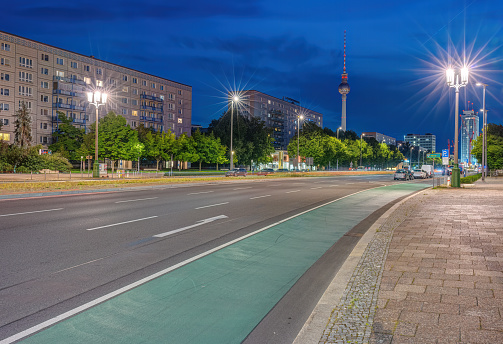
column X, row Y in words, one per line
column 99, row 83
column 180, row 120
column 5, row 137
column 134, row 113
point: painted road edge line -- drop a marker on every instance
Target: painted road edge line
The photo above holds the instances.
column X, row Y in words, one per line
column 124, row 289
column 32, row 212
column 121, row 223
column 198, row 223
column 139, row 199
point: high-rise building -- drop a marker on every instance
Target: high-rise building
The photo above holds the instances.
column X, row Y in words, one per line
column 282, row 115
column 50, row 79
column 427, row 141
column 390, row 141
column 469, row 132
column 344, row 89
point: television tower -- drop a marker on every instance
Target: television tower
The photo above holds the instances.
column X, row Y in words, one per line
column 344, row 88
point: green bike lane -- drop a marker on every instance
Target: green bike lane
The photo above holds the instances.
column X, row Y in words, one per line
column 221, row 297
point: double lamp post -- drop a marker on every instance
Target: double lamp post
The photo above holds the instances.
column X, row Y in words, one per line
column 96, row 98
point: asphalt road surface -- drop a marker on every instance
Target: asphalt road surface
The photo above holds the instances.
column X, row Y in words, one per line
column 223, row 262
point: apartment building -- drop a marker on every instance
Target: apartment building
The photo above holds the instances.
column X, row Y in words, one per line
column 427, row 141
column 282, row 115
column 50, row 79
column 381, row 138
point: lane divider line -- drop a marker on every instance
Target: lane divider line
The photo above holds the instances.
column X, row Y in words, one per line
column 318, row 187
column 198, row 193
column 121, row 223
column 260, row 196
column 212, row 205
column 139, row 199
column 248, row 187
column 292, row 191
column 32, row 212
column 124, row 289
column 198, row 223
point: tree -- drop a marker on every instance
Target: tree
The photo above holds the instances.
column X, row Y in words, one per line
column 22, row 129
column 185, row 149
column 67, row 139
column 494, row 146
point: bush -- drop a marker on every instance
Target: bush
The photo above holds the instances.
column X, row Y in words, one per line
column 22, row 169
column 470, row 179
column 56, row 162
column 5, row 166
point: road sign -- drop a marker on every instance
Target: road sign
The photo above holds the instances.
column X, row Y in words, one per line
column 445, row 160
column 433, row 155
column 445, row 153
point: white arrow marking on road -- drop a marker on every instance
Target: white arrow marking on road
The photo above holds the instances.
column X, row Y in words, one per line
column 199, row 223
column 32, row 212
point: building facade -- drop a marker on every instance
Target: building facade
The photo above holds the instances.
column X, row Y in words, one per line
column 469, row 132
column 381, row 138
column 427, row 141
column 50, row 79
column 282, row 115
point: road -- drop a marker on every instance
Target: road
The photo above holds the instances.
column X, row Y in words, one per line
column 199, row 280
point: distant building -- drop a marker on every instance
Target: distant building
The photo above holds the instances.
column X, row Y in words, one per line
column 279, row 114
column 49, row 79
column 427, row 141
column 199, row 127
column 469, row 132
column 381, row 138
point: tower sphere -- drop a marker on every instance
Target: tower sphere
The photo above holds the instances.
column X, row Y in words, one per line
column 344, row 88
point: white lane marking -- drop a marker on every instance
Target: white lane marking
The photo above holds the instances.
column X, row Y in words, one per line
column 32, row 212
column 198, row 193
column 260, row 196
column 349, row 183
column 334, row 185
column 212, row 205
column 318, row 187
column 199, row 223
column 248, row 187
column 121, row 223
column 113, row 294
column 292, row 191
column 134, row 200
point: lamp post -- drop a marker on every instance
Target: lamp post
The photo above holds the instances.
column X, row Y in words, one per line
column 484, row 129
column 235, row 99
column 453, row 80
column 96, row 98
column 298, row 139
column 337, row 139
column 361, row 138
column 410, row 157
column 419, row 155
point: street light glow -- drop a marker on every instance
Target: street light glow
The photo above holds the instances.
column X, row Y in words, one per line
column 450, row 76
column 235, row 99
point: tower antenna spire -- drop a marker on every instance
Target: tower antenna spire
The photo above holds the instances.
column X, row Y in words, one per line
column 344, row 51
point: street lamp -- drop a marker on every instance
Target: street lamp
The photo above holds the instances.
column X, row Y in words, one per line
column 419, row 156
column 234, row 99
column 298, row 139
column 338, row 132
column 361, row 137
column 484, row 129
column 410, row 157
column 456, row 80
column 96, row 98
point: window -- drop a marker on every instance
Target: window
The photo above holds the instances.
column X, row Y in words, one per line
column 112, row 82
column 43, row 139
column 25, row 62
column 134, row 90
column 134, row 113
column 124, row 111
column 133, row 124
column 125, row 89
column 171, row 96
column 152, row 85
column 23, row 76
column 5, row 46
column 4, row 76
column 170, row 106
column 44, row 57
column 162, row 87
column 87, row 68
column 44, row 112
column 170, row 116
column 44, row 98
column 25, row 91
column 124, row 78
column 43, row 125
column 135, row 81
column 180, row 111
column 60, row 61
column 180, row 101
column 87, row 80
column 4, row 62
column 4, row 107
column 124, row 100
column 180, row 92
column 134, row 102
column 5, row 121
column 5, row 137
column 144, row 82
column 161, row 96
column 4, row 91
column 99, row 71
column 180, row 120
column 28, row 104
column 44, row 71
column 74, row 64
column 60, row 73
column 99, row 83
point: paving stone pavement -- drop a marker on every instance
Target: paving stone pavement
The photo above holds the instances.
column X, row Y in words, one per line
column 432, row 273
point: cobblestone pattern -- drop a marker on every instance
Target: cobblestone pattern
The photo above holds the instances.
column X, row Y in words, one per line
column 351, row 320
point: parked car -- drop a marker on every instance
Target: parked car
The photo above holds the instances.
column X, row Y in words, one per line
column 401, row 174
column 418, row 173
column 265, row 172
column 282, row 170
column 429, row 170
column 236, row 172
column 411, row 174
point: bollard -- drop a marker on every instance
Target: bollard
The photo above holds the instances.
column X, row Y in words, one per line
column 45, row 175
column 31, row 175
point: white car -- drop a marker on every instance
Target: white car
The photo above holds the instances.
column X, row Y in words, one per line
column 418, row 173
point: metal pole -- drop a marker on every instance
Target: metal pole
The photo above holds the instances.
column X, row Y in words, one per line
column 361, row 136
column 298, row 139
column 484, row 143
column 232, row 116
column 455, row 170
column 96, row 170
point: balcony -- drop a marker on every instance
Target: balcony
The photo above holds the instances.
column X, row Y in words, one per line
column 68, row 106
column 74, row 120
column 158, row 109
column 146, row 96
column 150, row 119
column 70, row 80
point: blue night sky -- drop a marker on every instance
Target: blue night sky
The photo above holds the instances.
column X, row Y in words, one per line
column 397, row 52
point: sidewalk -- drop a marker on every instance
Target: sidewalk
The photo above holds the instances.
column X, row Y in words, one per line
column 429, row 271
